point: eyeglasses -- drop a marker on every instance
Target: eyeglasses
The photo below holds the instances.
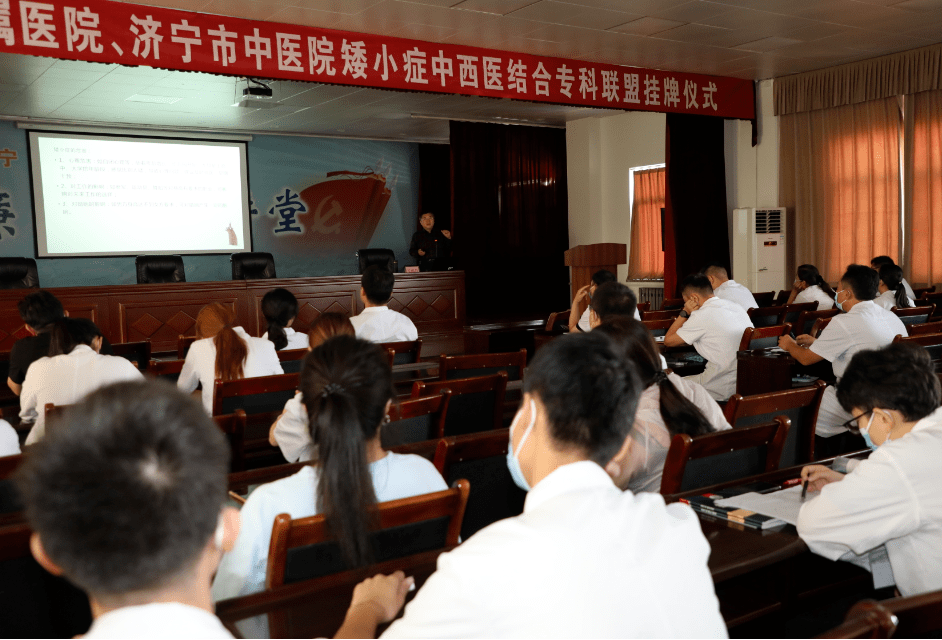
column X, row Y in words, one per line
column 852, row 426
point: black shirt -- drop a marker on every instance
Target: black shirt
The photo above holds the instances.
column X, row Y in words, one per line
column 434, row 244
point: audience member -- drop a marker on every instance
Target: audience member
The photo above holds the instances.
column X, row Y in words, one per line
column 879, row 261
column 347, row 388
column 224, row 352
column 291, row 432
column 584, row 559
column 714, row 327
column 862, row 325
column 728, row 289
column 280, row 307
column 610, row 301
column 377, row 322
column 892, row 291
column 809, row 286
column 669, row 405
column 431, row 247
column 9, row 440
column 892, row 499
column 581, row 323
column 73, row 369
column 126, row 501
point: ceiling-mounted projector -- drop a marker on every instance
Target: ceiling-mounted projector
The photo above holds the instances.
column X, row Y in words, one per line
column 260, row 92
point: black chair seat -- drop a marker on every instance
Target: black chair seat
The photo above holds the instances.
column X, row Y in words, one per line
column 159, row 269
column 18, row 273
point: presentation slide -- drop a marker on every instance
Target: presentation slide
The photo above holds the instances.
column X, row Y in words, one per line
column 97, row 195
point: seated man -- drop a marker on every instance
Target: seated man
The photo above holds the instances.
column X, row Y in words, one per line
column 612, row 300
column 879, row 261
column 127, row 501
column 862, row 325
column 728, row 289
column 714, row 327
column 377, row 322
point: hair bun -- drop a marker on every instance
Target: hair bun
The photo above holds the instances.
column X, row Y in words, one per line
column 330, row 389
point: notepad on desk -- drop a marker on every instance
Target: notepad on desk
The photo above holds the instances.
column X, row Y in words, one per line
column 709, row 504
column 783, row 505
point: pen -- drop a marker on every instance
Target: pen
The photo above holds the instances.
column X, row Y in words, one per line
column 804, row 489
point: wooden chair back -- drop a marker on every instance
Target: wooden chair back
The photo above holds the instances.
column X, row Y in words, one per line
column 482, row 459
column 800, row 405
column 685, row 449
column 302, row 549
column 53, row 412
column 425, row 449
column 416, row 419
column 136, row 352
column 819, row 325
column 807, row 318
column 670, row 304
column 9, row 497
column 931, row 298
column 406, row 352
column 477, row 404
column 922, row 291
column 483, row 364
column 767, row 316
column 558, row 321
column 925, row 328
column 915, row 315
column 782, row 297
column 254, row 395
column 240, row 481
column 866, row 619
column 917, row 616
column 233, row 426
column 792, row 311
column 764, row 299
column 932, row 342
column 663, row 314
column 183, row 345
column 168, row 370
column 292, row 359
column 658, row 327
column 644, row 307
column 763, row 337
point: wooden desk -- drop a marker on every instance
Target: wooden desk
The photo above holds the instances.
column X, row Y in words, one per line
column 502, row 337
column 763, row 370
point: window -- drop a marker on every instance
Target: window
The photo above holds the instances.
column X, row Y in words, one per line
column 646, row 194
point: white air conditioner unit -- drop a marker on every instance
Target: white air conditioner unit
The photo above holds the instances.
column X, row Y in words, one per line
column 759, row 244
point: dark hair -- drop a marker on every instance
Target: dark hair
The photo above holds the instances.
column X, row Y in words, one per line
column 698, row 283
column 809, row 274
column 69, row 333
column 637, row 344
column 590, row 393
column 879, row 261
column 715, row 269
column 215, row 321
column 899, row 376
column 40, row 309
column 346, row 383
column 327, row 326
column 613, row 299
column 602, row 276
column 279, row 306
column 127, row 491
column 862, row 280
column 378, row 283
column 892, row 276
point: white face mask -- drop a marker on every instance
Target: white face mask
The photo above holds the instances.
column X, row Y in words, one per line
column 513, row 462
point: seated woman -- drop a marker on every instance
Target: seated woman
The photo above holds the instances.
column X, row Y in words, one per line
column 892, row 291
column 224, row 352
column 290, row 432
column 669, row 405
column 585, row 559
column 280, row 307
column 73, row 369
column 809, row 286
column 892, row 499
column 347, row 385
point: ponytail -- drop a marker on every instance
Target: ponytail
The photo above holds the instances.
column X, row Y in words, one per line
column 215, row 321
column 809, row 274
column 680, row 414
column 825, row 287
column 279, row 306
column 345, row 384
column 68, row 333
column 891, row 275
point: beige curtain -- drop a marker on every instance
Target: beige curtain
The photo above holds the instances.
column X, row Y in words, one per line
column 840, row 181
column 646, row 259
column 924, row 186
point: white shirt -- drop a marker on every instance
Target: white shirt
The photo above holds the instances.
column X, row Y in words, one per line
column 9, row 440
column 242, row 570
column 584, row 560
column 200, row 365
column 382, row 324
column 815, row 294
column 292, row 432
column 735, row 292
column 909, row 290
column 865, row 326
column 887, row 300
column 651, row 438
column 158, row 620
column 295, row 340
column 715, row 331
column 66, row 379
column 891, row 498
column 584, row 319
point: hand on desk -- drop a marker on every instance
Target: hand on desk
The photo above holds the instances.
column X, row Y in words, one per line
column 818, row 475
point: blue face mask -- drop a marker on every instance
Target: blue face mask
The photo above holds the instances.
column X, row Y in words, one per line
column 839, row 305
column 866, row 434
column 513, row 463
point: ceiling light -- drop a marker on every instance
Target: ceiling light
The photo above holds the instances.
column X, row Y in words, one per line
column 137, row 97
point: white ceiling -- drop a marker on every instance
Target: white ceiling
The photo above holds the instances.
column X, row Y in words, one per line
column 752, row 39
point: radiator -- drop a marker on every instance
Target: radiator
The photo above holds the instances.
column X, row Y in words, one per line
column 654, row 295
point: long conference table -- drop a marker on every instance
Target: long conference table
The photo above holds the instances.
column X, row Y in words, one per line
column 161, row 313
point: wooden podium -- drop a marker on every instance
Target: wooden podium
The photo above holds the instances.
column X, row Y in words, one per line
column 586, row 259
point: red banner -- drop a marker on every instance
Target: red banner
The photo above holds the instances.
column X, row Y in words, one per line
column 136, row 35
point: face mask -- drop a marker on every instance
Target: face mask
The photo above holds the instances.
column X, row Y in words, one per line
column 866, row 434
column 839, row 305
column 513, row 463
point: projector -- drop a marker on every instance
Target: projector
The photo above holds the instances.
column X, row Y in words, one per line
column 257, row 93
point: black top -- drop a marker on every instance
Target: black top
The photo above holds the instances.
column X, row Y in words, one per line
column 434, row 244
column 28, row 350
